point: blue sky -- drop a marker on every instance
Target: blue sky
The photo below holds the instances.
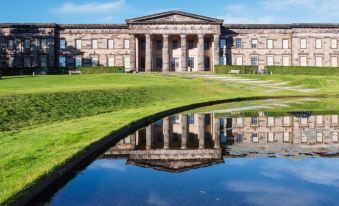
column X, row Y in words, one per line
column 116, row 11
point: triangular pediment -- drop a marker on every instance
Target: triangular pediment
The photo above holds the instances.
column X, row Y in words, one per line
column 174, row 17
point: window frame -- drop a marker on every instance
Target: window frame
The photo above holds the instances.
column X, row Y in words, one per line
column 318, row 43
column 270, row 45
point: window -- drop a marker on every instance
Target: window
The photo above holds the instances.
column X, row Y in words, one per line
column 191, row 62
column 303, row 61
column 94, row 43
column 335, row 136
column 10, row 44
column 78, row 61
column 334, row 43
column 285, row 44
column 255, row 138
column 175, row 44
column 303, row 43
column 126, row 44
column 334, row 61
column 270, row 121
column 110, row 44
column 143, row 44
column 286, row 61
column 303, row 138
column 62, row 44
column 270, row 61
column 27, row 62
column 238, row 60
column 303, row 121
column 190, row 118
column 254, row 120
column 43, row 61
column 190, row 44
column 318, row 43
column 270, row 137
column 222, row 43
column 94, row 61
column 238, row 43
column 254, row 61
column 319, row 120
column 43, row 43
column 334, row 119
column 206, row 44
column 319, row 137
column 159, row 44
column 78, row 43
column 269, row 44
column 318, row 61
column 239, row 137
column 286, row 120
column 286, row 137
column 62, row 61
column 110, row 61
column 207, row 62
column 158, row 62
column 254, row 44
column 221, row 60
column 239, row 121
column 27, row 44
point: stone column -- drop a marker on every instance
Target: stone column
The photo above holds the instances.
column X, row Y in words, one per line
column 216, row 132
column 184, row 131
column 133, row 141
column 132, row 47
column 201, row 51
column 166, row 128
column 165, row 55
column 216, row 52
column 183, row 52
column 201, row 130
column 148, row 53
column 148, row 137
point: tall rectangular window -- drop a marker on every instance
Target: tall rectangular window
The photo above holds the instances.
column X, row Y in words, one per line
column 286, row 120
column 334, row 119
column 62, row 44
column 254, row 121
column 303, row 121
column 269, row 44
column 110, row 61
column 319, row 120
column 159, row 44
column 221, row 60
column 174, row 44
column 222, row 43
column 318, row 61
column 334, row 43
column 318, row 43
column 254, row 61
column 255, row 138
column 62, row 61
column 303, row 138
column 335, row 136
column 190, row 119
column 303, row 43
column 126, row 43
column 27, row 61
column 78, row 43
column 190, row 44
column 110, row 44
column 207, row 62
column 286, row 137
column 285, row 44
column 158, row 62
column 319, row 137
column 238, row 43
column 94, row 61
column 270, row 137
column 238, row 60
column 43, row 43
column 11, row 44
column 270, row 121
column 191, row 62
column 78, row 61
column 206, row 44
column 27, row 44
column 43, row 61
column 334, row 61
column 254, row 43
column 94, row 43
column 303, row 61
column 239, row 137
column 286, row 61
column 270, row 61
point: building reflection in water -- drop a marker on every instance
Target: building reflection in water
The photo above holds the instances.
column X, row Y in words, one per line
column 182, row 142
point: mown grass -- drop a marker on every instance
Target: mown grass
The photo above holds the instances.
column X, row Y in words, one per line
column 63, row 115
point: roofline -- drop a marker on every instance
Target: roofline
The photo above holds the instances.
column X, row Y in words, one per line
column 281, row 26
column 220, row 21
column 63, row 26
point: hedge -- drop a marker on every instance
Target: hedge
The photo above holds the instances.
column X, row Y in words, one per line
column 298, row 70
column 225, row 69
column 100, row 70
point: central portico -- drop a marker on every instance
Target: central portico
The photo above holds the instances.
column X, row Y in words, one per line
column 174, row 41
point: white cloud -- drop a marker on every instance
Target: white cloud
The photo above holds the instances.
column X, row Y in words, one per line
column 108, row 18
column 280, row 5
column 235, row 8
column 110, row 165
column 92, row 7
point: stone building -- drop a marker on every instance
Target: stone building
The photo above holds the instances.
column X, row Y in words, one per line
column 168, row 41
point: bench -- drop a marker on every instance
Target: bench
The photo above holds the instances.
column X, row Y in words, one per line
column 234, row 72
column 74, row 72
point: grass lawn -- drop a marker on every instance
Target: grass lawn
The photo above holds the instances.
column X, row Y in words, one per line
column 46, row 120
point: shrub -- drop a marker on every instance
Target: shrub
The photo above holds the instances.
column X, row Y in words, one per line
column 225, row 69
column 100, row 70
column 297, row 70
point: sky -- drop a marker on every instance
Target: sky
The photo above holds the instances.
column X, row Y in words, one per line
column 116, row 11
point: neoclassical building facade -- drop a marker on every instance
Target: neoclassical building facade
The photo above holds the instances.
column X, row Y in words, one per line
column 169, row 41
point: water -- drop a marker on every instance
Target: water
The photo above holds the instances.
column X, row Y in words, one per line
column 217, row 156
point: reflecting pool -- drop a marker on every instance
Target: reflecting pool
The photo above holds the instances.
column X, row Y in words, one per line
column 241, row 154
